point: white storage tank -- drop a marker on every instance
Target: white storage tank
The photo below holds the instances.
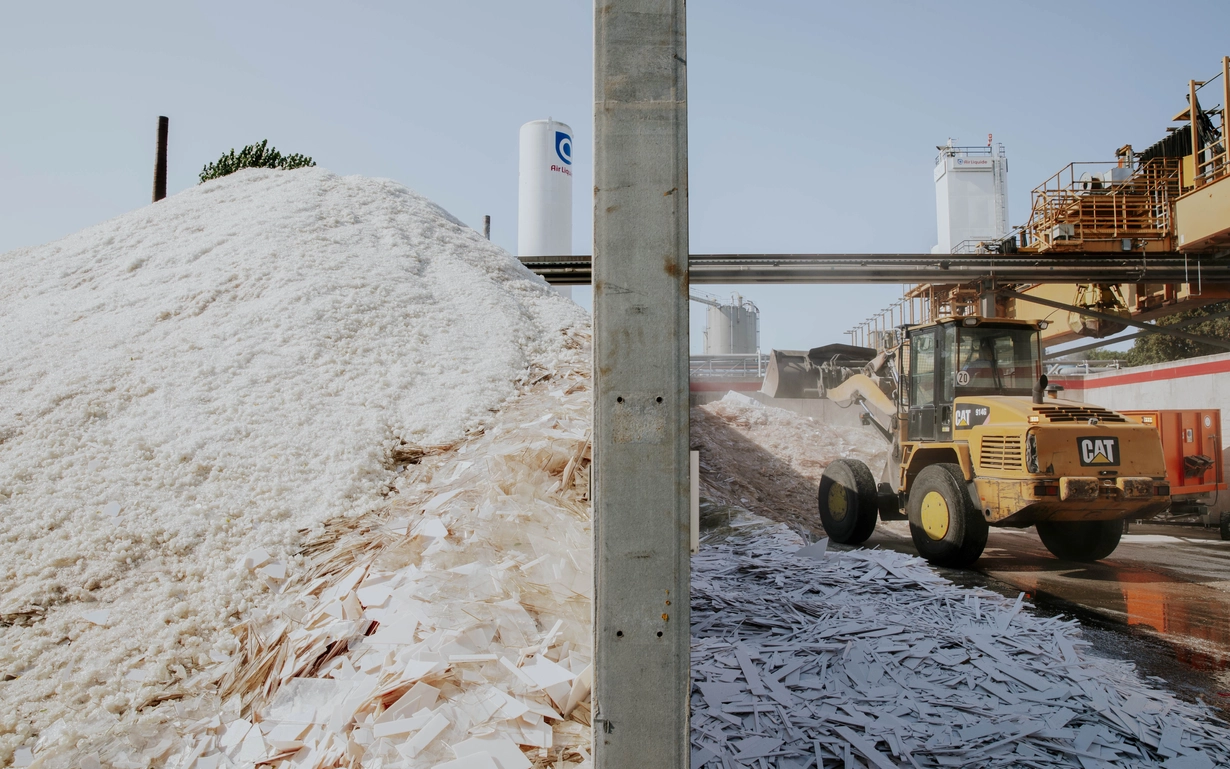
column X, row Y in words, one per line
column 544, row 191
column 732, row 329
column 971, row 197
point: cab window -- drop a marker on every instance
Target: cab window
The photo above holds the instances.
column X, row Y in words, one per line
column 922, row 370
column 993, row 360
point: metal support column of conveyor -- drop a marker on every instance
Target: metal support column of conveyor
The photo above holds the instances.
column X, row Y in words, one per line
column 640, row 478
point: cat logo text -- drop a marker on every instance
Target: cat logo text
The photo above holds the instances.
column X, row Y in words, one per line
column 971, row 416
column 1098, row 451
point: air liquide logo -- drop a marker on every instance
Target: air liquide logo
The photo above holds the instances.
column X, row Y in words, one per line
column 1098, row 451
column 563, row 150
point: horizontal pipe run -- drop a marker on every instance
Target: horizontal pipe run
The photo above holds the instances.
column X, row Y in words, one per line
column 916, row 268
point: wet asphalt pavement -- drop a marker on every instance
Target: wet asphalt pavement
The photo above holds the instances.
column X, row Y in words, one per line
column 1162, row 599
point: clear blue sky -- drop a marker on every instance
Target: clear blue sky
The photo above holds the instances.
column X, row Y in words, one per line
column 813, row 125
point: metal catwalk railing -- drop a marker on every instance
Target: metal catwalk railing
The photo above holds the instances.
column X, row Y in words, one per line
column 734, row 366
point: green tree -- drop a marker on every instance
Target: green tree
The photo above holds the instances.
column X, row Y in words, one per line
column 1159, row 348
column 254, row 156
column 1103, row 355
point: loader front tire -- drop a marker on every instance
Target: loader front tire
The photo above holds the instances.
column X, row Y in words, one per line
column 1084, row 541
column 946, row 526
column 849, row 504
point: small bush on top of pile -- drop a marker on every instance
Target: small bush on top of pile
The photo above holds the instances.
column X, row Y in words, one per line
column 254, row 156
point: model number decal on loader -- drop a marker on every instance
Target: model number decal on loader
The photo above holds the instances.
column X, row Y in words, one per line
column 1098, row 451
column 971, row 416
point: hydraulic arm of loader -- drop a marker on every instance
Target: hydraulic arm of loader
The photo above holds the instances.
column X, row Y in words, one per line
column 864, row 391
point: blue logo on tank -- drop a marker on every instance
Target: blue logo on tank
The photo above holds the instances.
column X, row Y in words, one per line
column 563, row 147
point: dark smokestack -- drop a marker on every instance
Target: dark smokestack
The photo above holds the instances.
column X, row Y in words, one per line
column 160, row 161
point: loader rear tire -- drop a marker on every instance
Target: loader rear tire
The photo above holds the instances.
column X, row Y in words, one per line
column 849, row 504
column 1225, row 525
column 946, row 526
column 1083, row 541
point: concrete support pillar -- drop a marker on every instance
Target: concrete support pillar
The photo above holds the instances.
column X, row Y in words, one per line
column 641, row 468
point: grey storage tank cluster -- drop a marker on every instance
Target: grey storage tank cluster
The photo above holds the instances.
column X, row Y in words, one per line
column 732, row 329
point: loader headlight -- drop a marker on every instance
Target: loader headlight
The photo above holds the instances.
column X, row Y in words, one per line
column 1031, row 453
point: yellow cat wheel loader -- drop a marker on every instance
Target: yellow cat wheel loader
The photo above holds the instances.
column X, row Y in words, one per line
column 976, row 442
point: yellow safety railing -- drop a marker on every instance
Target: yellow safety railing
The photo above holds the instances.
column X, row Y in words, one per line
column 1210, row 162
column 1104, row 206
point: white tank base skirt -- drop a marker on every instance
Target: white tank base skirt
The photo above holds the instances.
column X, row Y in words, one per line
column 544, row 192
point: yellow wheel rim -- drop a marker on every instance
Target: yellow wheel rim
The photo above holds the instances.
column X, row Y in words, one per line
column 837, row 501
column 935, row 515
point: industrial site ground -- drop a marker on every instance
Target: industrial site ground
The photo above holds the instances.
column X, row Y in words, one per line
column 1161, row 601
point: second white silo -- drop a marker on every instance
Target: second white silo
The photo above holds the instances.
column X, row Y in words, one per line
column 732, row 329
column 971, row 197
column 544, row 191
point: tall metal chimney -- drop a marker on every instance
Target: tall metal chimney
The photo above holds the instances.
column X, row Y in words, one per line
column 160, row 161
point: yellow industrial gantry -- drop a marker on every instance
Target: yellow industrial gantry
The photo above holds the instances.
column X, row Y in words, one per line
column 1170, row 199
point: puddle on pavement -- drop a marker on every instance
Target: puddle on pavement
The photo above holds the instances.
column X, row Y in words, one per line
column 1173, row 629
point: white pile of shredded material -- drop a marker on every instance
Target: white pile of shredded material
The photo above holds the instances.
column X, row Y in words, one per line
column 450, row 627
column 214, row 374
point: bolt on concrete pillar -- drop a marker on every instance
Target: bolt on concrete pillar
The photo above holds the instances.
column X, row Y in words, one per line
column 160, row 160
column 641, row 465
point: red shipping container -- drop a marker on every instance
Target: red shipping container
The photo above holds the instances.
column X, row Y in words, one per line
column 1191, row 442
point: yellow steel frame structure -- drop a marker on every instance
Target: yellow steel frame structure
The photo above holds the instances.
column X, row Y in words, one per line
column 1201, row 221
column 1163, row 206
column 1070, row 212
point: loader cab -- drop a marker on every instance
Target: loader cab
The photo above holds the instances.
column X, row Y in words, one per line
column 968, row 356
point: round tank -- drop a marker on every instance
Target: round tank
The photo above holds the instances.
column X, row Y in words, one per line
column 732, row 329
column 544, row 191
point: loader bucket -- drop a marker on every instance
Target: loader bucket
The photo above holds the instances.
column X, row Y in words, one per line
column 846, row 355
column 789, row 376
